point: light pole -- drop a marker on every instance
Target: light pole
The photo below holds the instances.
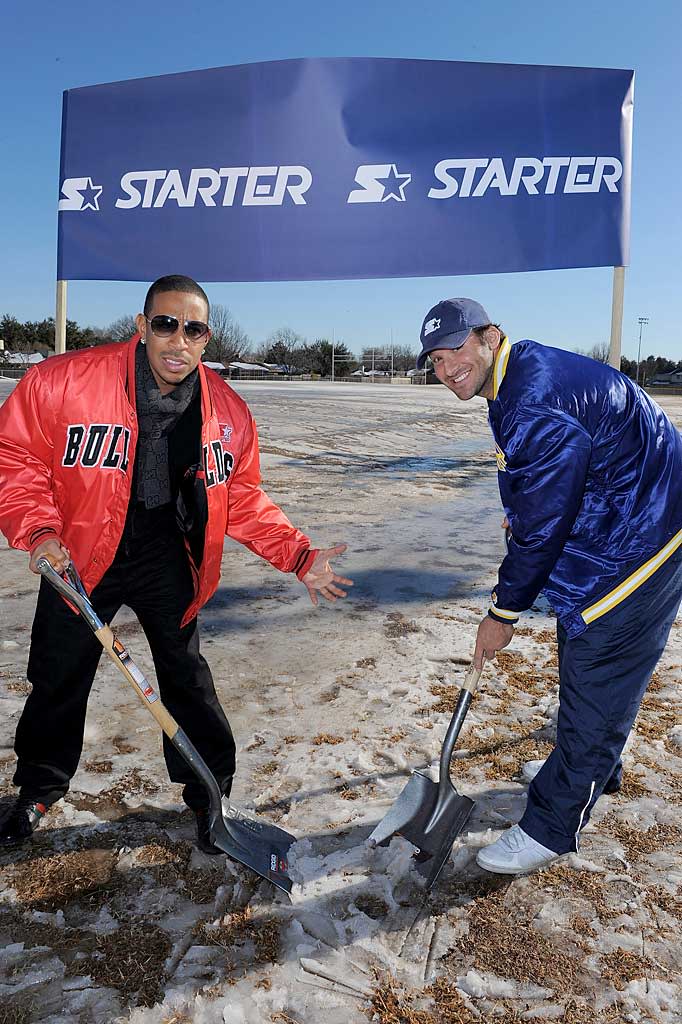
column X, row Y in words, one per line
column 641, row 320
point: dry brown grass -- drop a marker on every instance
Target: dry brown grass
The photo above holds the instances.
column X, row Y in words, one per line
column 269, row 768
column 239, row 927
column 638, row 843
column 633, row 786
column 131, row 960
column 500, row 758
column 327, row 737
column 394, row 1004
column 503, row 941
column 622, row 966
column 560, row 881
column 659, row 898
column 49, row 883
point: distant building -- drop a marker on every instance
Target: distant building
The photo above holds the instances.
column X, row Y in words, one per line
column 663, row 379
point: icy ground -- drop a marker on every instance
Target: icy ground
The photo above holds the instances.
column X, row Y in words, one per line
column 110, row 914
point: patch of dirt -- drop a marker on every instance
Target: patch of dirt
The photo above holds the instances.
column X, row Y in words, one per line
column 113, row 800
column 366, row 663
column 121, row 745
column 326, row 737
column 99, row 767
column 397, row 625
column 372, row 905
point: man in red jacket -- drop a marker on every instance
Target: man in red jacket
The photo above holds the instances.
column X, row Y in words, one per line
column 134, row 460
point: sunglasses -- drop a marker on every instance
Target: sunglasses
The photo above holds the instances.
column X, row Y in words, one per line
column 164, row 326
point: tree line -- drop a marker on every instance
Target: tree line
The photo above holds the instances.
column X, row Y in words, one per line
column 229, row 343
column 284, row 347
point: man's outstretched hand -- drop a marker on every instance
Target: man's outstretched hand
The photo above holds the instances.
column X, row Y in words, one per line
column 321, row 578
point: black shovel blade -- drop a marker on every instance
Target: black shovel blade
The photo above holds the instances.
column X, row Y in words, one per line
column 429, row 822
column 255, row 843
column 412, row 809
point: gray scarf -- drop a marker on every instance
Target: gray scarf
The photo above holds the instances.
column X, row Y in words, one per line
column 157, row 414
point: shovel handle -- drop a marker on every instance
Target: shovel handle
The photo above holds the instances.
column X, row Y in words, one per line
column 456, row 722
column 471, row 679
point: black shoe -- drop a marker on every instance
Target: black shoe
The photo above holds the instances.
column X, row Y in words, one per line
column 204, row 841
column 22, row 820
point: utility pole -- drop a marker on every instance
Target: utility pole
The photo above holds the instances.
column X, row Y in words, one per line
column 391, row 353
column 641, row 320
column 333, row 346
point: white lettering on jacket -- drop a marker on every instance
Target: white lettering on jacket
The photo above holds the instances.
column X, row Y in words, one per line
column 99, row 445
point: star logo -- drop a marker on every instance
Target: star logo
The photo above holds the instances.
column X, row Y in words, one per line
column 378, row 183
column 227, row 431
column 80, row 194
column 431, row 325
column 395, row 184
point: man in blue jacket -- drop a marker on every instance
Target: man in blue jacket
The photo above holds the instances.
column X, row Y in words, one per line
column 590, row 476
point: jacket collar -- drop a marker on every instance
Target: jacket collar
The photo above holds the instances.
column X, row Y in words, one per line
column 206, row 403
column 500, row 365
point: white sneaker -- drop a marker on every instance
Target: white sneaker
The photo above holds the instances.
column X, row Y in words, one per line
column 514, row 853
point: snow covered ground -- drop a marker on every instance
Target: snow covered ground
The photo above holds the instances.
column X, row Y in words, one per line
column 111, row 914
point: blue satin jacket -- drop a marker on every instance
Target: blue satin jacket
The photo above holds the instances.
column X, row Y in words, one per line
column 590, row 475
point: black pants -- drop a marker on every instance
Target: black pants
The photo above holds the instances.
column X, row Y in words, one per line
column 151, row 574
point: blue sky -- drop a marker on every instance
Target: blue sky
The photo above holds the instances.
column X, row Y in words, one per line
column 49, row 47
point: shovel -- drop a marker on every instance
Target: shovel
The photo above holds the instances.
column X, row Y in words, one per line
column 429, row 814
column 258, row 845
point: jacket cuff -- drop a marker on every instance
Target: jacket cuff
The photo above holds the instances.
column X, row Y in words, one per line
column 40, row 534
column 304, row 561
column 502, row 615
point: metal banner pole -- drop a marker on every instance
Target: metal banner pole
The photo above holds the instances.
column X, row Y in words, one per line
column 617, row 316
column 60, row 319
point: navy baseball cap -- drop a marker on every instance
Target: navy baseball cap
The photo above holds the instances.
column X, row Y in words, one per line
column 449, row 324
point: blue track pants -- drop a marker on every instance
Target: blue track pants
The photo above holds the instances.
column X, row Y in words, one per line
column 603, row 675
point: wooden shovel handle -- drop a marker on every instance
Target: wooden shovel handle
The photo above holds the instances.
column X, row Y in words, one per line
column 146, row 693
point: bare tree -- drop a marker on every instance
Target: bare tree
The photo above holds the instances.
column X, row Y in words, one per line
column 599, row 351
column 404, row 358
column 122, row 329
column 228, row 341
column 280, row 347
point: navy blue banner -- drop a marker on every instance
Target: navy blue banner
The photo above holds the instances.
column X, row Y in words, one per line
column 346, row 168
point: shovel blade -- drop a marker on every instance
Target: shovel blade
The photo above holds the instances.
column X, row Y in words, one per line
column 255, row 843
column 429, row 822
column 412, row 808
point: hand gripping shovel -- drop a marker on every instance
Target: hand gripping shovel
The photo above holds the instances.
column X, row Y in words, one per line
column 432, row 814
column 256, row 844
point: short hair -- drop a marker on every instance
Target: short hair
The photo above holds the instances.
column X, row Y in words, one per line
column 482, row 330
column 174, row 283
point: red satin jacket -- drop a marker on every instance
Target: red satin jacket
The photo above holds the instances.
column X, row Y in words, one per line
column 68, row 435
